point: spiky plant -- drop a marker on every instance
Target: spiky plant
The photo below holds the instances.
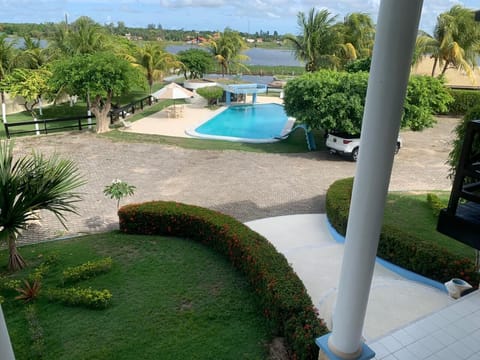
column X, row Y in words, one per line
column 28, row 292
column 33, row 183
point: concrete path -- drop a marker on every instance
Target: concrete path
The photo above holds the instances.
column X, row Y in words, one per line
column 317, row 258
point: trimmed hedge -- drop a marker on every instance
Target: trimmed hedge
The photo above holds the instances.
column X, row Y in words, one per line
column 398, row 246
column 282, row 294
column 464, row 100
column 86, row 271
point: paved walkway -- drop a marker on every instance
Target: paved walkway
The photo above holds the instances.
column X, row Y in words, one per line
column 245, row 185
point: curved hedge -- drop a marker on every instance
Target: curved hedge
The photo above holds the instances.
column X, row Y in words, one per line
column 464, row 100
column 398, row 246
column 282, row 294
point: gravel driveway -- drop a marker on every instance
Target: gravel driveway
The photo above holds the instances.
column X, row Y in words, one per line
column 247, row 186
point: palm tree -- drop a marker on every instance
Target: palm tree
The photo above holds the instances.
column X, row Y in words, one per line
column 32, row 55
column 154, row 62
column 359, row 31
column 455, row 42
column 317, row 43
column 29, row 184
column 87, row 37
column 8, row 59
column 226, row 48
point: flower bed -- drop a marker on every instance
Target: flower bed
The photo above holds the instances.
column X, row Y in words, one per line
column 282, row 294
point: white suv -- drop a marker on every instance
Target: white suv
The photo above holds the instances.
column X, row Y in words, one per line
column 347, row 144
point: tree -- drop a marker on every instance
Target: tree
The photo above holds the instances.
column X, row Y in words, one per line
column 102, row 75
column 195, row 63
column 29, row 184
column 317, row 42
column 226, row 48
column 455, row 41
column 30, row 84
column 154, row 62
column 358, row 30
column 8, row 60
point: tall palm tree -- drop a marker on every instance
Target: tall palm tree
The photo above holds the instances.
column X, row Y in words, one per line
column 359, row 31
column 29, row 184
column 154, row 62
column 227, row 49
column 32, row 55
column 8, row 60
column 317, row 42
column 455, row 41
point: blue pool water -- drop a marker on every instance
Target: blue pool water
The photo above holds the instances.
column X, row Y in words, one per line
column 259, row 122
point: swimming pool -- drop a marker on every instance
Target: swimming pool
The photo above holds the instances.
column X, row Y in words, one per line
column 257, row 123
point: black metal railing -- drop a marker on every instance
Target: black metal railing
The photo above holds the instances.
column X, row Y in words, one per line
column 44, row 126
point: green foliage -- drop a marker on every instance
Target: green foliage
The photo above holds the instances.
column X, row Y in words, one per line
column 463, row 101
column 39, row 272
column 118, row 189
column 333, row 100
column 211, row 93
column 398, row 246
column 435, row 204
column 32, row 183
column 359, row 65
column 86, row 270
column 328, row 100
column 460, row 130
column 195, row 63
column 9, row 284
column 85, row 297
column 281, row 293
column 426, row 96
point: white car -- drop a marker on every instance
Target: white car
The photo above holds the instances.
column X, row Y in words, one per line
column 347, row 144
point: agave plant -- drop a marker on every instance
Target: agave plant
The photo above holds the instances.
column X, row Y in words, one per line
column 29, row 184
column 28, row 292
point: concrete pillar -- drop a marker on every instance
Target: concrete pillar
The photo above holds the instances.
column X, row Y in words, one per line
column 37, row 127
column 228, row 98
column 397, row 28
column 4, row 113
column 254, row 98
column 89, row 120
column 6, row 351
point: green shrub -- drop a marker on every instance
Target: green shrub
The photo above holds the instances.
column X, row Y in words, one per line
column 460, row 130
column 398, row 246
column 425, row 96
column 463, row 101
column 39, row 272
column 333, row 100
column 435, row 204
column 86, row 270
column 211, row 93
column 282, row 294
column 86, row 297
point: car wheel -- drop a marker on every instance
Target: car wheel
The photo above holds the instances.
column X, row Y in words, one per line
column 354, row 154
column 397, row 148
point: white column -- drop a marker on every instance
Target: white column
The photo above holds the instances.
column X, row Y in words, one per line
column 89, row 120
column 394, row 42
column 6, row 351
column 40, row 105
column 37, row 127
column 4, row 113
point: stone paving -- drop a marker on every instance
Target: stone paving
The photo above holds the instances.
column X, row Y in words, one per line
column 245, row 185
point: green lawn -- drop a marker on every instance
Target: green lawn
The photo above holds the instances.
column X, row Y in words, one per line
column 172, row 299
column 411, row 213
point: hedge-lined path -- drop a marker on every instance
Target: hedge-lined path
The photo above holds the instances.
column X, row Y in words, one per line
column 245, row 185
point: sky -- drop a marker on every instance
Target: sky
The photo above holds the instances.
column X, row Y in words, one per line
column 241, row 15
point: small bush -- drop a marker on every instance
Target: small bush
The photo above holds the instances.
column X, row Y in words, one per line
column 282, row 294
column 29, row 292
column 398, row 246
column 463, row 101
column 211, row 93
column 435, row 204
column 86, row 297
column 39, row 272
column 86, row 270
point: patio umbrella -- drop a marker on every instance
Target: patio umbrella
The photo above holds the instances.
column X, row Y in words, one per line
column 173, row 91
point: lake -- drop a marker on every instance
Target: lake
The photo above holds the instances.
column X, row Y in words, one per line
column 258, row 56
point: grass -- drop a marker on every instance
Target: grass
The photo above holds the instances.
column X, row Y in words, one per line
column 411, row 213
column 172, row 299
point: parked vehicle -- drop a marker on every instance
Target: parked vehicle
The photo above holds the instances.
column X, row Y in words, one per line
column 348, row 144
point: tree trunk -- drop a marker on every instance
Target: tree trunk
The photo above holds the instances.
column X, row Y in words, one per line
column 101, row 113
column 15, row 260
column 434, row 66
column 445, row 67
